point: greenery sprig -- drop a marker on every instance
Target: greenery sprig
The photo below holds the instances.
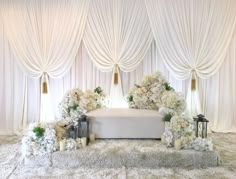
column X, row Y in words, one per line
column 167, row 117
column 98, row 90
column 39, row 131
column 168, row 87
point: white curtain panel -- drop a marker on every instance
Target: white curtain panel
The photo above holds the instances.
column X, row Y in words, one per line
column 117, row 36
column 83, row 75
column 12, row 89
column 193, row 37
column 218, row 94
column 45, row 36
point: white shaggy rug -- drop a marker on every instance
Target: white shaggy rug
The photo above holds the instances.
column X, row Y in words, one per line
column 126, row 153
column 10, row 164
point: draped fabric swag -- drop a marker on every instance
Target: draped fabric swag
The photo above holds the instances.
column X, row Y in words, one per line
column 193, row 37
column 117, row 37
column 45, row 36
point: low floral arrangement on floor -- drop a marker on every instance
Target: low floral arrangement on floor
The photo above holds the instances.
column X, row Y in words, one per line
column 39, row 140
column 76, row 102
column 45, row 138
column 154, row 92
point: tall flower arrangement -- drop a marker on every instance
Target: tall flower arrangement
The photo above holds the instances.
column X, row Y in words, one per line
column 154, row 92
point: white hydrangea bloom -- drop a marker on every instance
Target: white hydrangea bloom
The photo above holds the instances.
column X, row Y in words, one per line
column 76, row 102
column 202, row 144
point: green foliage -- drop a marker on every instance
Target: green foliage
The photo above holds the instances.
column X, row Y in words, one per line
column 74, row 107
column 98, row 90
column 130, row 98
column 168, row 87
column 167, row 117
column 39, row 131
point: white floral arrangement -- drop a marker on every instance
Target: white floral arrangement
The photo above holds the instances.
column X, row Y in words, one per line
column 155, row 92
column 202, row 144
column 76, row 102
column 39, row 140
column 173, row 100
column 179, row 128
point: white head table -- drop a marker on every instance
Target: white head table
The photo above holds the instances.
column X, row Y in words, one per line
column 126, row 123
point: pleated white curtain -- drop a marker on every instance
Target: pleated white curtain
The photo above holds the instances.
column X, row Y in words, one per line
column 218, row 94
column 117, row 37
column 12, row 89
column 45, row 36
column 193, row 37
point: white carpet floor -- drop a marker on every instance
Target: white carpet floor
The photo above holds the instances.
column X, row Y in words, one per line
column 10, row 164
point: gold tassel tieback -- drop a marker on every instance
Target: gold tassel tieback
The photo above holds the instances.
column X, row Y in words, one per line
column 45, row 87
column 193, row 84
column 115, row 78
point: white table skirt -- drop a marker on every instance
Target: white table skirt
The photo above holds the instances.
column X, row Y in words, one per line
column 126, row 123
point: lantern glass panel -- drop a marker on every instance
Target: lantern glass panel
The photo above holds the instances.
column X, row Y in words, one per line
column 201, row 128
column 83, row 129
column 71, row 133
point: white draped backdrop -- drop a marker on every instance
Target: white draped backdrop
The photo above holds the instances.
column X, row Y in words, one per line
column 179, row 49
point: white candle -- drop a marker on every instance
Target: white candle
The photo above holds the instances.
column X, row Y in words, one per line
column 84, row 141
column 178, row 144
column 92, row 138
column 62, row 145
column 163, row 139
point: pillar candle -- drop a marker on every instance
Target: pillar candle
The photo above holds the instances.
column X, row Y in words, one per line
column 163, row 140
column 62, row 145
column 178, row 144
column 92, row 137
column 83, row 141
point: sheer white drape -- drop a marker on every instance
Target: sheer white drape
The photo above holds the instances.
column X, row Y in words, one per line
column 117, row 36
column 45, row 36
column 12, row 89
column 193, row 37
column 218, row 94
column 85, row 75
column 20, row 96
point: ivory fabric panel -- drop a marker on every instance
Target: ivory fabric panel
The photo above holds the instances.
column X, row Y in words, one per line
column 45, row 36
column 193, row 37
column 201, row 44
column 117, row 37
